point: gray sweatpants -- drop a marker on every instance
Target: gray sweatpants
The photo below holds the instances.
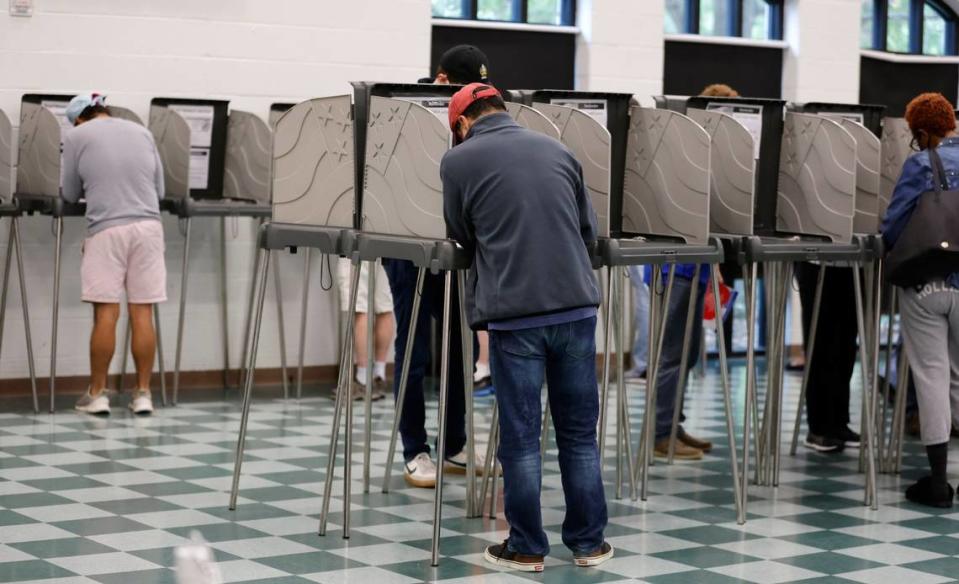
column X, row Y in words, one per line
column 930, row 328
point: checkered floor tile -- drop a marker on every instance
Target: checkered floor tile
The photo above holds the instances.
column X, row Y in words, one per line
column 85, row 500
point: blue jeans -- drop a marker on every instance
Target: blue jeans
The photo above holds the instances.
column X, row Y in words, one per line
column 402, row 277
column 641, row 318
column 565, row 356
column 667, row 381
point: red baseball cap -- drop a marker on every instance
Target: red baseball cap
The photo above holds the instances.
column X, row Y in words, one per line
column 465, row 98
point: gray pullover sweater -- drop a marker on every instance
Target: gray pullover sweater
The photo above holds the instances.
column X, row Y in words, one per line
column 517, row 201
column 115, row 166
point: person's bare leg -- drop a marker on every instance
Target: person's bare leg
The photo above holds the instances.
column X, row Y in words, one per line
column 359, row 344
column 383, row 328
column 103, row 343
column 144, row 342
column 482, row 374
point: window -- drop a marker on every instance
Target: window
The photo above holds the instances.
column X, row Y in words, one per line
column 926, row 27
column 752, row 19
column 556, row 12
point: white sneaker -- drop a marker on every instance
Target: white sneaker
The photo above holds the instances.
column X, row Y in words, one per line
column 457, row 464
column 93, row 405
column 142, row 402
column 421, row 472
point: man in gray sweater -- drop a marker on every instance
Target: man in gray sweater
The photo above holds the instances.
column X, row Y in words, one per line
column 517, row 201
column 115, row 166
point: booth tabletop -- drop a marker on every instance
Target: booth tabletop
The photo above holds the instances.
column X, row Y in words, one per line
column 642, row 251
column 46, row 205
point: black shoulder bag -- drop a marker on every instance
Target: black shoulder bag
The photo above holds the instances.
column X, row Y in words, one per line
column 928, row 248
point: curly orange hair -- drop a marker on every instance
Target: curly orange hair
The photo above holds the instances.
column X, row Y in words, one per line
column 931, row 112
column 719, row 90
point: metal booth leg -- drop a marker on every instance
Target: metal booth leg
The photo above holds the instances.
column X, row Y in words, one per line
column 224, row 306
column 648, row 433
column 810, row 348
column 624, row 434
column 884, row 413
column 368, row 396
column 404, row 377
column 467, row 352
column 156, row 325
column 56, row 311
column 28, row 337
column 684, row 362
column 184, row 280
column 727, row 398
column 441, row 431
column 249, row 313
column 261, row 278
column 304, row 312
column 604, row 388
column 490, row 460
column 751, row 272
column 278, row 292
column 6, row 280
column 344, row 400
column 871, row 493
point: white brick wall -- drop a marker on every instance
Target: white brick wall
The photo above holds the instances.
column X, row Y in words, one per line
column 822, row 61
column 621, row 46
column 252, row 52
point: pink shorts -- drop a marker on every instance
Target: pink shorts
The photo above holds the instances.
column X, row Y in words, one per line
column 126, row 258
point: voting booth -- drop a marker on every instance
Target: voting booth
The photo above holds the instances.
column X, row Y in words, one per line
column 864, row 123
column 358, row 176
column 216, row 163
column 43, row 125
column 10, row 210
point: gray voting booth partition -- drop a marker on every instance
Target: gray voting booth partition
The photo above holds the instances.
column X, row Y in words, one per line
column 216, row 164
column 896, row 137
column 804, row 171
column 328, row 184
column 9, row 209
column 667, row 182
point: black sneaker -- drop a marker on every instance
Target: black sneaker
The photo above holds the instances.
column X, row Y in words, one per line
column 849, row 438
column 594, row 558
column 502, row 556
column 823, row 443
column 924, row 492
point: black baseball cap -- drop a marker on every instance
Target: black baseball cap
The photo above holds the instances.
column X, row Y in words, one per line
column 465, row 64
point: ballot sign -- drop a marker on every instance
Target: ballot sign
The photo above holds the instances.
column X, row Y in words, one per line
column 750, row 116
column 439, row 106
column 59, row 111
column 200, row 119
column 857, row 117
column 598, row 109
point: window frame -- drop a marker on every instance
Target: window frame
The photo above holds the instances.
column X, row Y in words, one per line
column 880, row 28
column 520, row 8
column 734, row 19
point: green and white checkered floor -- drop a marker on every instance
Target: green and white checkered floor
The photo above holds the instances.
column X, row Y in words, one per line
column 86, row 500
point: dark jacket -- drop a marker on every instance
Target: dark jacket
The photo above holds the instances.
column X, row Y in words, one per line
column 916, row 179
column 517, row 201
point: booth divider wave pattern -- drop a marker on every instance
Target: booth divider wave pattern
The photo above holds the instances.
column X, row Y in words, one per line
column 733, row 173
column 817, row 178
column 403, row 193
column 313, row 164
column 868, row 162
column 248, row 157
column 590, row 143
column 666, row 188
column 38, row 171
column 531, row 119
column 172, row 135
column 6, row 159
column 896, row 138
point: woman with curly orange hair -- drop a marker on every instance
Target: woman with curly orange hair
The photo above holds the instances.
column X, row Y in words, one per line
column 930, row 313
